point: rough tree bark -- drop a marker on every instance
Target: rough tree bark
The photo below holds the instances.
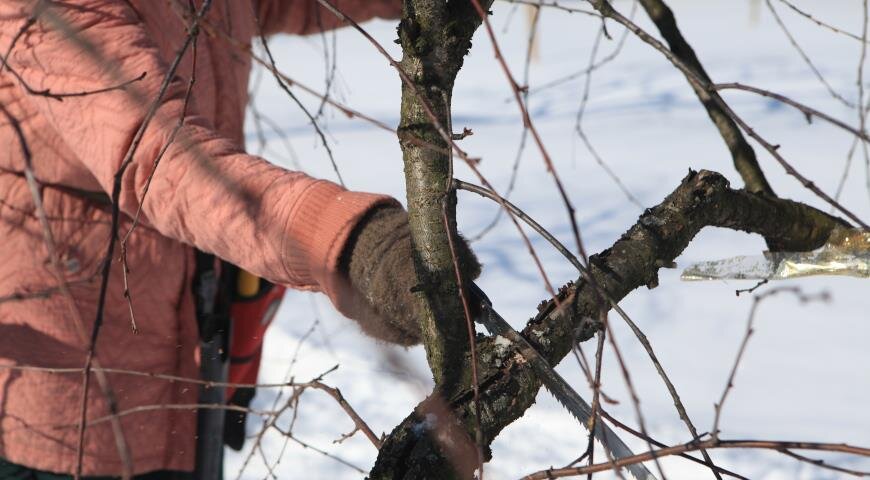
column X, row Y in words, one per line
column 429, row 444
column 508, row 385
column 435, row 36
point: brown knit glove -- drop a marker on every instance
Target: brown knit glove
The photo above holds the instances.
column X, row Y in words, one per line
column 379, row 263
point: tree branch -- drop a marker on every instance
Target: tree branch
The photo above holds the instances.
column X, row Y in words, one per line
column 508, row 386
column 744, row 156
column 435, row 36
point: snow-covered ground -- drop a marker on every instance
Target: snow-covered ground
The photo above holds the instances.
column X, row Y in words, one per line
column 806, row 374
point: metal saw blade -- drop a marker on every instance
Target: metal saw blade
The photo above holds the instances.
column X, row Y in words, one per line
column 558, row 387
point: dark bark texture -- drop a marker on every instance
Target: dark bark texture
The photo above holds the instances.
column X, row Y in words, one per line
column 434, row 441
column 508, row 385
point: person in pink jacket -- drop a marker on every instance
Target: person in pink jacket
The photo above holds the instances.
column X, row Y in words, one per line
column 206, row 193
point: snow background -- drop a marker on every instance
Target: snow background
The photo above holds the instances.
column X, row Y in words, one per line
column 806, row 374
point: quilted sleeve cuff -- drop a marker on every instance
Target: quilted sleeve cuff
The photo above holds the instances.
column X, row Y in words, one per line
column 319, row 225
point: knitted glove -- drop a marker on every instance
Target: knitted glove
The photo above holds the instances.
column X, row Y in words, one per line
column 379, row 262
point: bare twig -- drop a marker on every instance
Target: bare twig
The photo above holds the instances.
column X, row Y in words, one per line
column 692, row 446
column 808, row 112
column 633, row 394
column 527, row 122
column 159, row 376
column 63, row 287
column 116, row 212
column 806, row 58
column 308, row 446
column 823, row 464
column 524, row 135
column 358, row 422
column 820, row 23
column 596, row 404
column 589, row 68
column 607, row 10
column 752, row 288
column 295, row 99
column 554, row 4
column 756, row 300
column 578, row 123
column 610, row 418
column 862, row 109
column 212, row 30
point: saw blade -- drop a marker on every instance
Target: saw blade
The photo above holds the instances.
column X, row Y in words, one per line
column 557, row 386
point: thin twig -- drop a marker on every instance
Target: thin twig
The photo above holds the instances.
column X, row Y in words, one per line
column 357, row 420
column 63, row 286
column 554, row 4
column 589, row 68
column 578, row 123
column 607, row 9
column 527, row 122
column 524, row 135
column 295, row 99
column 862, row 110
column 822, row 464
column 116, row 212
column 692, row 446
column 808, row 111
column 820, row 23
column 806, row 58
column 750, row 323
column 633, row 394
column 610, row 418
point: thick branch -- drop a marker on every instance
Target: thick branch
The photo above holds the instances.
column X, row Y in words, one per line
column 508, row 386
column 435, row 36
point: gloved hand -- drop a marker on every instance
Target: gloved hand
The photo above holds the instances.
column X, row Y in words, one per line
column 378, row 260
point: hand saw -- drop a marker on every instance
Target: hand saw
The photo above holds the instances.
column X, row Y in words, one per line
column 555, row 384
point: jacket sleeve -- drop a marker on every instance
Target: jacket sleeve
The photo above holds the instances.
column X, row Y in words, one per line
column 206, row 192
column 303, row 17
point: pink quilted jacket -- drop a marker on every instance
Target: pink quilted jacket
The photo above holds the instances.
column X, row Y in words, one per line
column 207, row 192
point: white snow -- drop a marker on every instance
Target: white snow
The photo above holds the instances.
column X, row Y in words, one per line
column 806, row 374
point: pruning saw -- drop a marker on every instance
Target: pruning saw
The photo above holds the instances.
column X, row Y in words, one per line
column 556, row 385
